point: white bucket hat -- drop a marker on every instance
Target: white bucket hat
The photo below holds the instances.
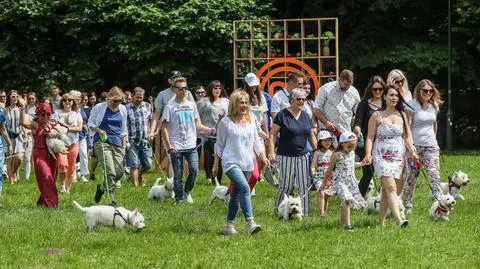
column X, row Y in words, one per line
column 322, row 135
column 347, row 136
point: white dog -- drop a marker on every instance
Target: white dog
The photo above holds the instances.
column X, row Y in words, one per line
column 458, row 180
column 370, row 190
column 373, row 205
column 441, row 209
column 290, row 208
column 117, row 217
column 58, row 144
column 220, row 192
column 162, row 192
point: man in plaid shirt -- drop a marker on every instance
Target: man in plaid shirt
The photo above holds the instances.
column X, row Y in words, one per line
column 139, row 152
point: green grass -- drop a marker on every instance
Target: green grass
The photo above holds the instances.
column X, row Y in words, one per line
column 187, row 236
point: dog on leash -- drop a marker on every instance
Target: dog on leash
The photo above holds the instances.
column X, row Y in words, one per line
column 455, row 183
column 162, row 192
column 373, row 205
column 117, row 217
column 440, row 209
column 220, row 192
column 290, row 208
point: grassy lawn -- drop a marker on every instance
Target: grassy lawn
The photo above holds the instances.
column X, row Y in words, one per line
column 187, row 236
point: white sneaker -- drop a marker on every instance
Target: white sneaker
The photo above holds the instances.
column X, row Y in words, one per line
column 253, row 192
column 188, row 197
column 229, row 229
column 118, row 184
column 254, row 228
column 83, row 180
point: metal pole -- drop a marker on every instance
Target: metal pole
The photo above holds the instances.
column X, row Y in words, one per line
column 449, row 71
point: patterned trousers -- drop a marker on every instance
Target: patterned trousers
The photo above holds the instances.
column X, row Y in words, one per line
column 429, row 157
column 294, row 172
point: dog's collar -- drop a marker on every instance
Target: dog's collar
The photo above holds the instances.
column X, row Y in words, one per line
column 117, row 213
column 441, row 209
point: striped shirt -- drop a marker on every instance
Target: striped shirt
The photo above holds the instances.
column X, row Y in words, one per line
column 138, row 122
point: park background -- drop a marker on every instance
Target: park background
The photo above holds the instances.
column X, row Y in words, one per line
column 93, row 45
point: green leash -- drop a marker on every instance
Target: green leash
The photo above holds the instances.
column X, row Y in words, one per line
column 103, row 140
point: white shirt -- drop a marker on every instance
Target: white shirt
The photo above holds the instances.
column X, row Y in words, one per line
column 259, row 110
column 280, row 101
column 236, row 143
column 71, row 118
column 336, row 105
column 422, row 125
column 181, row 128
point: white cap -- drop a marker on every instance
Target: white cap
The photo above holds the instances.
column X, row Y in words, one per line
column 252, row 80
column 347, row 136
column 323, row 135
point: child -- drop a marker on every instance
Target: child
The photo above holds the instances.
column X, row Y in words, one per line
column 180, row 122
column 320, row 163
column 345, row 183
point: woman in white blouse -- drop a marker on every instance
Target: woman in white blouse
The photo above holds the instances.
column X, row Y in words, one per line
column 237, row 138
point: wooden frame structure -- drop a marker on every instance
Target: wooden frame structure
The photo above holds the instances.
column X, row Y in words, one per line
column 273, row 48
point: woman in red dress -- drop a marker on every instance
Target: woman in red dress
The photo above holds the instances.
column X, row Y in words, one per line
column 45, row 164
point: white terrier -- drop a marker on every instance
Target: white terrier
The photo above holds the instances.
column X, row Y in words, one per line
column 117, row 217
column 58, row 144
column 220, row 192
column 290, row 208
column 458, row 180
column 373, row 205
column 162, row 192
column 441, row 209
column 370, row 190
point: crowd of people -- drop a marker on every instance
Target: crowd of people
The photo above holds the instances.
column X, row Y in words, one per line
column 316, row 142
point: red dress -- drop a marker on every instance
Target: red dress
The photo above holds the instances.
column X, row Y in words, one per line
column 45, row 170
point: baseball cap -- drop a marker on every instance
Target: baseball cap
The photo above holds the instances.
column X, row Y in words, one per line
column 323, row 135
column 252, row 80
column 347, row 136
column 175, row 74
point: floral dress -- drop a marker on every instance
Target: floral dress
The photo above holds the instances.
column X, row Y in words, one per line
column 322, row 166
column 388, row 150
column 344, row 182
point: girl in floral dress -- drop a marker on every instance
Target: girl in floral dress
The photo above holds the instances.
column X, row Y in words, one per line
column 320, row 163
column 345, row 184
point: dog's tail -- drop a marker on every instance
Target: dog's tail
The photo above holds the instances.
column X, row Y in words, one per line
column 79, row 206
column 157, row 181
column 216, row 182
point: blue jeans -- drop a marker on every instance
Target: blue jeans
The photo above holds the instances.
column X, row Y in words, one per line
column 191, row 156
column 240, row 195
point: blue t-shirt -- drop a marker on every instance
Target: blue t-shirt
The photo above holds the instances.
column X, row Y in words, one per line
column 112, row 124
column 293, row 133
column 268, row 99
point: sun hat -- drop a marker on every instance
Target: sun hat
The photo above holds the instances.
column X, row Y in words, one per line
column 347, row 136
column 323, row 135
column 252, row 80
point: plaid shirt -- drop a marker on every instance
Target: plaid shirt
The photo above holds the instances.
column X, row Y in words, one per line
column 138, row 122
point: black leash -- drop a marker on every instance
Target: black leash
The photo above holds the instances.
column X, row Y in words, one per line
column 117, row 213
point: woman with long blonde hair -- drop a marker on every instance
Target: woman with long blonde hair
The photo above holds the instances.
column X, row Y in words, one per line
column 237, row 138
column 423, row 123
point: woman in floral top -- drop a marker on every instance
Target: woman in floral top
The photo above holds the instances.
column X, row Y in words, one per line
column 389, row 128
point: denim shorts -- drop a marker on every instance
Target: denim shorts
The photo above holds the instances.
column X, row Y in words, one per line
column 139, row 155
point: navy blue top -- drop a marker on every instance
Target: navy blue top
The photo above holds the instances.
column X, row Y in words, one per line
column 112, row 124
column 293, row 133
column 268, row 99
column 83, row 133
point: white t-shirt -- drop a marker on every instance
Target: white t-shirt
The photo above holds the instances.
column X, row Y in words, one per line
column 422, row 124
column 181, row 124
column 71, row 118
column 259, row 110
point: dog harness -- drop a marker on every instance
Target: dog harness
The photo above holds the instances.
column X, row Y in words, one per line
column 52, row 126
column 452, row 184
column 439, row 210
column 117, row 213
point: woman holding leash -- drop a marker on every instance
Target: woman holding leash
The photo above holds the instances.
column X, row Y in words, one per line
column 45, row 164
column 237, row 138
column 389, row 128
column 424, row 127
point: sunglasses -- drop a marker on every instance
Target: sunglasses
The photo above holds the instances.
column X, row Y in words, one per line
column 182, row 88
column 301, row 99
column 377, row 89
column 429, row 91
column 399, row 81
column 67, row 100
column 200, row 93
column 117, row 100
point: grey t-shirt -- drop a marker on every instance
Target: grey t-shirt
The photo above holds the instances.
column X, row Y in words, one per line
column 422, row 125
column 181, row 124
column 166, row 96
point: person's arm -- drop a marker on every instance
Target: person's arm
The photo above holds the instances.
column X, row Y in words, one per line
column 318, row 106
column 166, row 138
column 372, row 129
column 360, row 118
column 314, row 165
column 220, row 143
column 3, row 130
column 312, row 139
column 271, row 142
column 76, row 128
column 407, row 136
